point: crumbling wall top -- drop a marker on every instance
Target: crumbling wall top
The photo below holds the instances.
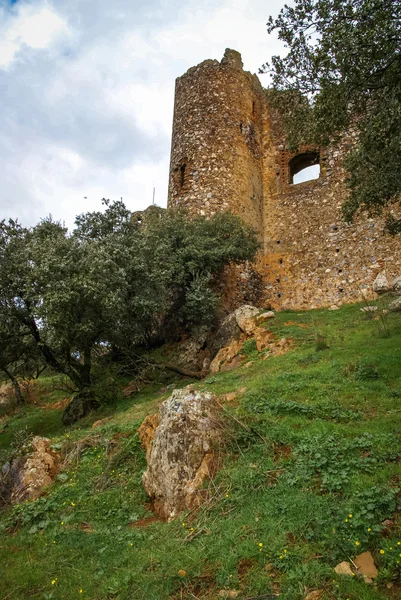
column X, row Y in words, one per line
column 232, row 59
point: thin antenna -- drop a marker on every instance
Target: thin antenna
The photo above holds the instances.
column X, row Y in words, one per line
column 154, row 191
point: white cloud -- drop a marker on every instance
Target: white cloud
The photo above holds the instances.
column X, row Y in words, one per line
column 89, row 89
column 36, row 27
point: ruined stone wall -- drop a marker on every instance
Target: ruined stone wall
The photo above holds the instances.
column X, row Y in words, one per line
column 235, row 157
column 216, row 157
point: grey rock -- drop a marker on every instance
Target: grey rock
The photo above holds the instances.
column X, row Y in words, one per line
column 180, row 451
column 395, row 305
column 396, row 285
column 381, row 284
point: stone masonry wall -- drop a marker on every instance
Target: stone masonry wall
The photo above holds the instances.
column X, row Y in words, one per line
column 227, row 153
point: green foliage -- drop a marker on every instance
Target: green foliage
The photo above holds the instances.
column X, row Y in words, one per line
column 249, row 348
column 322, row 446
column 362, row 370
column 110, row 284
column 343, row 68
column 321, row 343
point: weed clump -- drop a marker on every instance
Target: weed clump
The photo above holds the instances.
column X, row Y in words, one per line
column 362, row 371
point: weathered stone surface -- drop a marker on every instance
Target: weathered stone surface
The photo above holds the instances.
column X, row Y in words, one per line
column 225, row 356
column 266, row 316
column 147, row 432
column 368, row 309
column 396, row 285
column 232, row 155
column 343, row 568
column 366, row 565
column 228, row 331
column 381, row 284
column 229, row 593
column 245, row 317
column 192, row 351
column 315, row 595
column 27, row 476
column 395, row 305
column 181, row 454
column 262, row 338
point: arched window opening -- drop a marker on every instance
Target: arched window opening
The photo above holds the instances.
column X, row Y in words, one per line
column 182, row 174
column 304, row 167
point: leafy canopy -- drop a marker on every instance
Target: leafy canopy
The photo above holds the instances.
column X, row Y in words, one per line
column 343, row 68
column 112, row 283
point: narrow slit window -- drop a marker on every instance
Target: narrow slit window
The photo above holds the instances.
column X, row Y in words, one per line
column 182, row 174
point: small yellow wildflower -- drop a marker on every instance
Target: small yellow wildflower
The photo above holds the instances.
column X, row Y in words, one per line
column 398, row 543
column 80, row 591
column 72, row 503
column 350, row 516
column 54, row 581
column 357, row 543
column 369, row 529
column 131, row 544
column 281, row 556
column 285, row 551
column 346, row 520
column 381, row 551
column 260, row 544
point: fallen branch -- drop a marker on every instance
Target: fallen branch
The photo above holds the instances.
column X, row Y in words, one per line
column 180, row 371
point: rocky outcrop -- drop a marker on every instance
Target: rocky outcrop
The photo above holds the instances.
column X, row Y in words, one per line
column 27, row 476
column 396, row 285
column 395, row 305
column 180, row 444
column 381, row 284
column 225, row 359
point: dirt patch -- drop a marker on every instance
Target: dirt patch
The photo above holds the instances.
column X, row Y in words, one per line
column 146, row 521
column 282, row 451
column 244, row 566
column 56, row 405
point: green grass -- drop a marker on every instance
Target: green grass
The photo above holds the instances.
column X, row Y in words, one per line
column 314, row 439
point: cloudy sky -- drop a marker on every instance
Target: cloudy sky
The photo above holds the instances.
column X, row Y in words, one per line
column 87, row 91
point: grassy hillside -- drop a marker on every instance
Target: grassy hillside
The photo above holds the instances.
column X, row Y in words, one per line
column 310, row 476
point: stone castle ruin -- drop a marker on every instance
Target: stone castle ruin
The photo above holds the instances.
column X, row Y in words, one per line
column 228, row 153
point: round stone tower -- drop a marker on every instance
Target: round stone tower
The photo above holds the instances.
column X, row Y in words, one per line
column 217, row 148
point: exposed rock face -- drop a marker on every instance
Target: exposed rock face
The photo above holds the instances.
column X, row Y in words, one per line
column 27, row 476
column 227, row 332
column 225, row 358
column 180, row 447
column 395, row 305
column 233, row 328
column 244, row 316
column 396, row 285
column 381, row 284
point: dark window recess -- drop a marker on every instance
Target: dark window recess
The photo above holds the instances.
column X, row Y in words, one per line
column 279, row 295
column 182, row 174
column 253, row 108
column 240, row 126
column 304, row 167
column 280, row 260
column 278, row 242
column 278, row 279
